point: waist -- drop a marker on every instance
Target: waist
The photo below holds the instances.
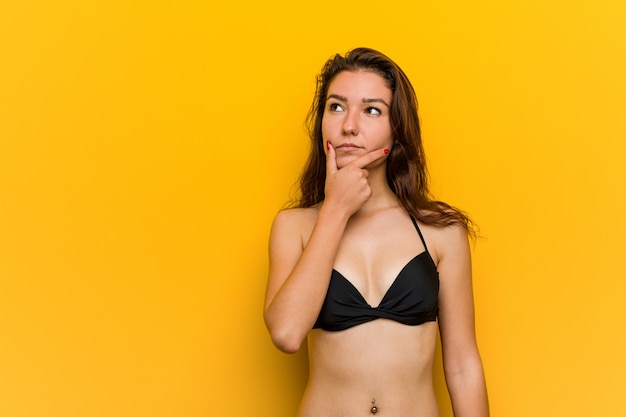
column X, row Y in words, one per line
column 392, row 398
column 404, row 403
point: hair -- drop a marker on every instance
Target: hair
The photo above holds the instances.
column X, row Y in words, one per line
column 407, row 174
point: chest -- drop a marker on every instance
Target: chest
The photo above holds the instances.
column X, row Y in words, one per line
column 371, row 256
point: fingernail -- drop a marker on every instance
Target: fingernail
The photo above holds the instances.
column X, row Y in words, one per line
column 385, row 151
column 327, row 145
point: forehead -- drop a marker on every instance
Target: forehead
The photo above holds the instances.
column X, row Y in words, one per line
column 360, row 84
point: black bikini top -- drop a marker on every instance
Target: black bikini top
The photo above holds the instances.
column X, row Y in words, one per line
column 411, row 299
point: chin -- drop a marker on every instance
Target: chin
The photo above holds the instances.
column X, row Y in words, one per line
column 344, row 160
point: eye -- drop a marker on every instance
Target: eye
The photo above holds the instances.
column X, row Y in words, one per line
column 374, row 111
column 335, row 107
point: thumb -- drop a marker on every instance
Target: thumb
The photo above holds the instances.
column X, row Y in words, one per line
column 331, row 161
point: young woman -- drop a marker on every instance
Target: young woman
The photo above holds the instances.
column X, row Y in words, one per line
column 368, row 264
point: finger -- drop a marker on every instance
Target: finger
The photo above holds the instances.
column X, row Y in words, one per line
column 331, row 160
column 369, row 157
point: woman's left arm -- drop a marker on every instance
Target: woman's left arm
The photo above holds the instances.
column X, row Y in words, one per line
column 462, row 365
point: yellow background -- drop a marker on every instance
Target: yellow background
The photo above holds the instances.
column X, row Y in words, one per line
column 145, row 147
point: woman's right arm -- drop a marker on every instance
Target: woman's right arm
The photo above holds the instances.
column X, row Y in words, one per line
column 299, row 275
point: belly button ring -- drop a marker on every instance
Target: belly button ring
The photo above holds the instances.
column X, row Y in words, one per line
column 374, row 409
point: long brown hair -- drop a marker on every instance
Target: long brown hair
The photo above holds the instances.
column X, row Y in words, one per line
column 407, row 174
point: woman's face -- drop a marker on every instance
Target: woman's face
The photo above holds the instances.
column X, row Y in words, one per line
column 356, row 115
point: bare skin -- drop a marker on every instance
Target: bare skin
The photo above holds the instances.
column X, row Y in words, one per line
column 361, row 230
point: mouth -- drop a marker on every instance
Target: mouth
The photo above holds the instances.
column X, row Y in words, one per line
column 347, row 147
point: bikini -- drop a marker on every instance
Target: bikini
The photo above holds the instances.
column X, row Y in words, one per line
column 411, row 299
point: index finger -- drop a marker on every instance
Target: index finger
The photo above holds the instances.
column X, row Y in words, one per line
column 331, row 162
column 368, row 158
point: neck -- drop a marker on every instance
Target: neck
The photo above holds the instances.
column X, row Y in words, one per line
column 382, row 196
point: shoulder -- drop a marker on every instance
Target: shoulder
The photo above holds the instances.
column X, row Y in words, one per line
column 445, row 242
column 294, row 222
column 295, row 217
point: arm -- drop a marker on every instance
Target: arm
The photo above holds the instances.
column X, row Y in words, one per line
column 299, row 276
column 462, row 365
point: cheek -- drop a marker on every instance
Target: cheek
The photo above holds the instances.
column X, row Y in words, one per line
column 386, row 134
column 326, row 125
column 327, row 130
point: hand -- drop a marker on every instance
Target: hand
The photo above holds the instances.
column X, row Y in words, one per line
column 348, row 188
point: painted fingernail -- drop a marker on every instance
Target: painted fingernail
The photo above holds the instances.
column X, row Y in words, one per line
column 327, row 145
column 385, row 151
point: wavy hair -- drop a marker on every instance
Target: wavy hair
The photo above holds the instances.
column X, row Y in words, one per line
column 407, row 174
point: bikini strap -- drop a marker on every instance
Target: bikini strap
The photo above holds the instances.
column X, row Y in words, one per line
column 419, row 232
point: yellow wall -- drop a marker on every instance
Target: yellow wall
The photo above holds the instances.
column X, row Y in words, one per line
column 145, row 147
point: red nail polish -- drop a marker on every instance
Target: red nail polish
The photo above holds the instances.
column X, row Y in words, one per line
column 385, row 151
column 327, row 145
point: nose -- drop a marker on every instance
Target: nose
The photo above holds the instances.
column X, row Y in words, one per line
column 350, row 126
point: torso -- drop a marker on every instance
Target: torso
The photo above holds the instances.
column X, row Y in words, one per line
column 381, row 363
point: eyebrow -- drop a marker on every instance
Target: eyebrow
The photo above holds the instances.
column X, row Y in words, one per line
column 365, row 100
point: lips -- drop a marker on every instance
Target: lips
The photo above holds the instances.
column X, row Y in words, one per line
column 348, row 147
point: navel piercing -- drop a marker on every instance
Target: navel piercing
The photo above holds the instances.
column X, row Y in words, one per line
column 374, row 409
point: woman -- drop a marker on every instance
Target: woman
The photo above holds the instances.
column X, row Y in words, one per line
column 367, row 263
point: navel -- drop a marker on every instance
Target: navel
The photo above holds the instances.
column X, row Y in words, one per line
column 374, row 408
